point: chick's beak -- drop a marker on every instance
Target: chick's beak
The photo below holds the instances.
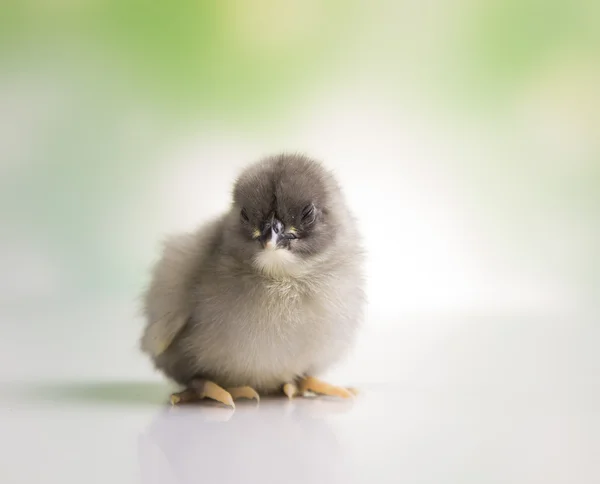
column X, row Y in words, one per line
column 271, row 234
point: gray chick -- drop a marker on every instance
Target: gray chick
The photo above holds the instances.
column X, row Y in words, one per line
column 263, row 298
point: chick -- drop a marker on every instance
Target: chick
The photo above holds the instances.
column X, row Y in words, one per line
column 264, row 298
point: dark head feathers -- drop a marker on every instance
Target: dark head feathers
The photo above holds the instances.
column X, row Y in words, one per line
column 285, row 185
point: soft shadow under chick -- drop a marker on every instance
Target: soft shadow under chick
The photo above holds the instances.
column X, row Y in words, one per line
column 263, row 298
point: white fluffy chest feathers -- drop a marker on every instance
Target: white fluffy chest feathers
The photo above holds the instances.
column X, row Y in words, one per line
column 278, row 263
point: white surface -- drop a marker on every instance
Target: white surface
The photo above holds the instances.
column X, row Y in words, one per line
column 457, row 400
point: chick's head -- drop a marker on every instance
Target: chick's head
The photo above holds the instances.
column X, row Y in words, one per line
column 286, row 211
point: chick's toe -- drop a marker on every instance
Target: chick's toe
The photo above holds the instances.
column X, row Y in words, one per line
column 312, row 384
column 188, row 395
column 290, row 390
column 200, row 389
column 244, row 392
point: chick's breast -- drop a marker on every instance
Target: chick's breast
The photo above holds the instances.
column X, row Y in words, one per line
column 248, row 330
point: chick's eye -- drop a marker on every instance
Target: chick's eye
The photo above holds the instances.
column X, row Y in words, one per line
column 308, row 214
column 244, row 215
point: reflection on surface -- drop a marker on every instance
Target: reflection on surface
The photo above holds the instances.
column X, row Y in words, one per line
column 210, row 443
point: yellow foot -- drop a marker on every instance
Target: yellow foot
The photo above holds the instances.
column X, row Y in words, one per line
column 200, row 389
column 311, row 384
column 186, row 396
column 244, row 392
column 290, row 389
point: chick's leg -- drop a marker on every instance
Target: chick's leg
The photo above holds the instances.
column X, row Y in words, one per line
column 312, row 384
column 200, row 389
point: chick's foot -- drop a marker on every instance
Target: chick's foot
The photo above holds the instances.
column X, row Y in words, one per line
column 244, row 392
column 290, row 390
column 312, row 384
column 200, row 389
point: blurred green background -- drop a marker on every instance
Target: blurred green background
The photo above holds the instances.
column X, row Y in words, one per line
column 471, row 124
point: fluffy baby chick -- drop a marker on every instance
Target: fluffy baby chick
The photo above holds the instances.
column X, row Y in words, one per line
column 263, row 298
